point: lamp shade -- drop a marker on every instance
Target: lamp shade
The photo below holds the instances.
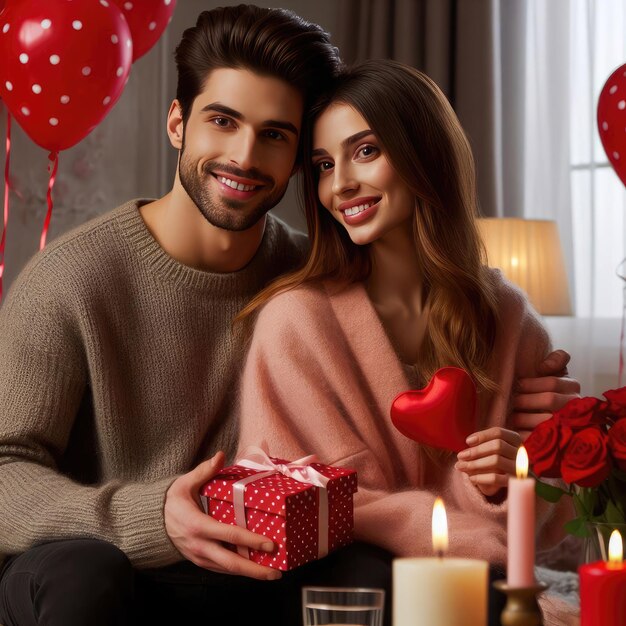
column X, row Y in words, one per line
column 529, row 254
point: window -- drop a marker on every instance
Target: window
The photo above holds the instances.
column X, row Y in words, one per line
column 597, row 47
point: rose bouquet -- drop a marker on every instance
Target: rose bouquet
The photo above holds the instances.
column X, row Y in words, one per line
column 584, row 444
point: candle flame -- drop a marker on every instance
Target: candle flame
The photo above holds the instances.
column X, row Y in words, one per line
column 616, row 548
column 440, row 528
column 521, row 463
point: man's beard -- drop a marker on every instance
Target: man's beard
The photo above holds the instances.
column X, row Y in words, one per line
column 226, row 213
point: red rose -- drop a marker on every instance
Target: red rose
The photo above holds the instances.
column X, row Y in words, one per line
column 582, row 412
column 544, row 447
column 617, row 402
column 617, row 443
column 585, row 460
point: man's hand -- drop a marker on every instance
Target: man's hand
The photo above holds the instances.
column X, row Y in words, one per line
column 200, row 538
column 490, row 459
column 537, row 398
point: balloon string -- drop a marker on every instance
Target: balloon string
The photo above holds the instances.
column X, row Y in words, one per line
column 6, row 199
column 54, row 158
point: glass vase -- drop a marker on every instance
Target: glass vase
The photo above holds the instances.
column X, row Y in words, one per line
column 596, row 545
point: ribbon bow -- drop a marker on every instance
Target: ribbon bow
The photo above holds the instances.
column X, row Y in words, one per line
column 257, row 459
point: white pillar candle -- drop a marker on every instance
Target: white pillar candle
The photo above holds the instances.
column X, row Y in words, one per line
column 521, row 525
column 439, row 591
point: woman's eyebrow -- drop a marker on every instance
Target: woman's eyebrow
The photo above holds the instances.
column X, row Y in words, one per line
column 347, row 142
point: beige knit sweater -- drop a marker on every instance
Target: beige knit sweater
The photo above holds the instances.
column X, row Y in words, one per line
column 118, row 368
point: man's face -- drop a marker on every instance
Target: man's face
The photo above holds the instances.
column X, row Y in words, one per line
column 239, row 146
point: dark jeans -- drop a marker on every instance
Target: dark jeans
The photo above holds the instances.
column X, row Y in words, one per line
column 91, row 583
column 82, row 581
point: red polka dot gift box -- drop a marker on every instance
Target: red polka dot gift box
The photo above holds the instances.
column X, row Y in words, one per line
column 304, row 507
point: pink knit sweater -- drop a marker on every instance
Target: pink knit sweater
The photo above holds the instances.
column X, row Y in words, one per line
column 320, row 378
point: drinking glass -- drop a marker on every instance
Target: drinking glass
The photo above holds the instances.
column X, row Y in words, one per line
column 596, row 544
column 342, row 606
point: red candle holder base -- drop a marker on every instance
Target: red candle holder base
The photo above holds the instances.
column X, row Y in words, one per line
column 522, row 608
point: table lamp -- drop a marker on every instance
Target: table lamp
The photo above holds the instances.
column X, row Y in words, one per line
column 529, row 254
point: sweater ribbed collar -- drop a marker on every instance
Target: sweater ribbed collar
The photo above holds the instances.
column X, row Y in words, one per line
column 245, row 281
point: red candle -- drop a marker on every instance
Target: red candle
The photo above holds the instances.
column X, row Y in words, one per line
column 603, row 588
column 521, row 525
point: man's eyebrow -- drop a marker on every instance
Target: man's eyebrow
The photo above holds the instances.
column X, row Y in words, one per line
column 222, row 108
column 347, row 142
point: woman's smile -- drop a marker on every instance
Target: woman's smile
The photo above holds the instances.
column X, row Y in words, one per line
column 359, row 210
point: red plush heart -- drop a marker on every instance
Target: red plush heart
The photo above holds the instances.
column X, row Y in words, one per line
column 612, row 120
column 441, row 415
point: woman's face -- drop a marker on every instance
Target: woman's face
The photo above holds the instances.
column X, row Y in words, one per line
column 357, row 184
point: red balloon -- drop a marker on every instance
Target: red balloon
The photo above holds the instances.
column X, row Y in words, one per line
column 147, row 20
column 441, row 415
column 612, row 120
column 64, row 66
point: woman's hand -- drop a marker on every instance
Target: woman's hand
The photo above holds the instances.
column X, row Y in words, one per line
column 490, row 458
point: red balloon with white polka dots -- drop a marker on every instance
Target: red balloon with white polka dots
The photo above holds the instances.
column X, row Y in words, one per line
column 612, row 120
column 64, row 65
column 147, row 20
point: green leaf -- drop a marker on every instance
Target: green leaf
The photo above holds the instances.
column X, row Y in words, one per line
column 577, row 527
column 548, row 492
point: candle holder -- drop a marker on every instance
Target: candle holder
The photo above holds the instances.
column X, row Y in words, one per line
column 522, row 608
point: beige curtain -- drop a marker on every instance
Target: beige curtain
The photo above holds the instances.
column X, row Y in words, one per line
column 416, row 32
column 459, row 43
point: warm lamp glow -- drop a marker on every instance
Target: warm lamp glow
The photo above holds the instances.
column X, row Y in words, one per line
column 529, row 254
column 616, row 548
column 440, row 528
column 521, row 463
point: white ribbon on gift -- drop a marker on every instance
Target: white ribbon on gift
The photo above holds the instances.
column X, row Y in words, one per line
column 257, row 459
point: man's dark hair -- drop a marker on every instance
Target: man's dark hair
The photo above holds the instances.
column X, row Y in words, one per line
column 272, row 42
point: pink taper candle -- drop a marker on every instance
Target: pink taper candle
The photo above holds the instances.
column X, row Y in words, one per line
column 521, row 525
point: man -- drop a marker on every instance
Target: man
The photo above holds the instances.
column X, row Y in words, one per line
column 118, row 361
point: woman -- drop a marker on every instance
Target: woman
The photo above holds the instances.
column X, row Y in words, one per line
column 395, row 288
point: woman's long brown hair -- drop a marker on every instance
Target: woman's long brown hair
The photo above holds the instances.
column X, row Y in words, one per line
column 423, row 140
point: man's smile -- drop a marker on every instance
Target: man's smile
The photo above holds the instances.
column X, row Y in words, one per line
column 237, row 187
column 238, row 183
